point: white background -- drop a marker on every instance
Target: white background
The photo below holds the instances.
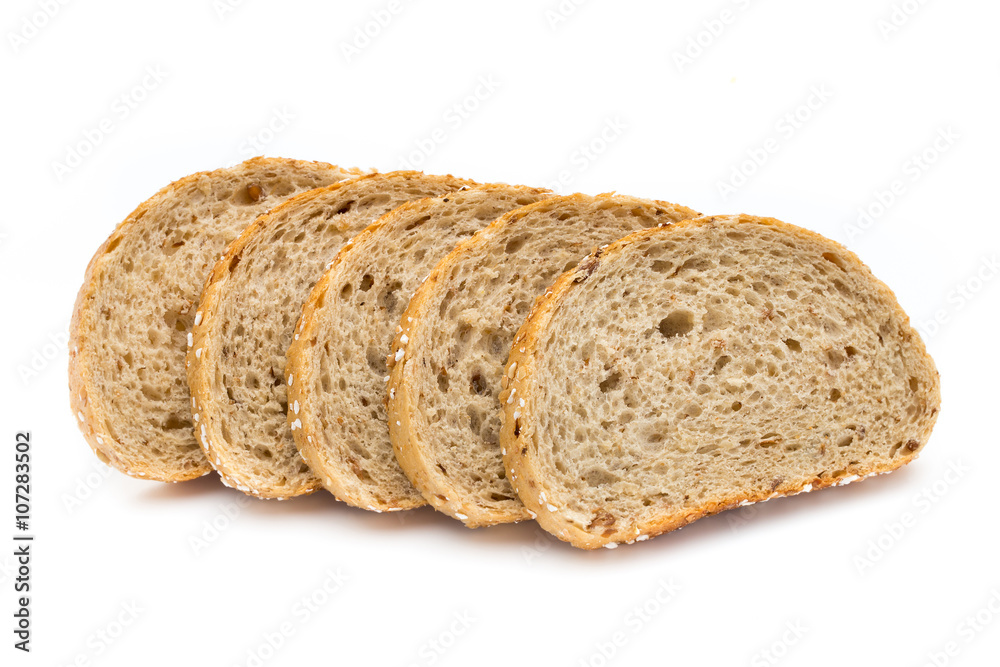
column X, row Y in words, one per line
column 840, row 567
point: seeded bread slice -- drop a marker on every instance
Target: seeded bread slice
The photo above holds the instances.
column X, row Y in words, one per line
column 138, row 299
column 714, row 363
column 455, row 336
column 246, row 321
column 338, row 358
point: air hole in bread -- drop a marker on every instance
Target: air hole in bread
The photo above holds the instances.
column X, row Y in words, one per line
column 475, row 419
column 366, row 282
column 445, row 302
column 498, row 346
column 479, row 386
column 721, row 363
column 175, row 422
column 515, row 244
column 598, row 477
column 416, row 223
column 835, row 259
column 677, row 323
column 376, row 359
column 697, row 264
column 769, row 440
column 389, row 298
column 793, row 345
column 611, row 382
column 152, row 393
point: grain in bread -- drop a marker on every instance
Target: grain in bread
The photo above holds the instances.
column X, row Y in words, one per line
column 717, row 362
column 135, row 310
column 455, row 336
column 247, row 317
column 339, row 357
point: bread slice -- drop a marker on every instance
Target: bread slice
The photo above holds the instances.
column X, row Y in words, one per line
column 718, row 362
column 455, row 335
column 135, row 308
column 338, row 360
column 247, row 317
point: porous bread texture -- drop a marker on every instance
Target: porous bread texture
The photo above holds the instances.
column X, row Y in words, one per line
column 455, row 336
column 135, row 309
column 718, row 362
column 339, row 357
column 247, row 318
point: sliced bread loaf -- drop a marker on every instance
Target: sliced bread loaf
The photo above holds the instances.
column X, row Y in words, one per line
column 447, row 361
column 722, row 361
column 134, row 311
column 338, row 359
column 247, row 317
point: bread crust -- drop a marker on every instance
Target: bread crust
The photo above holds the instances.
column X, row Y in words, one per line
column 409, row 443
column 517, row 436
column 308, row 438
column 90, row 414
column 206, row 345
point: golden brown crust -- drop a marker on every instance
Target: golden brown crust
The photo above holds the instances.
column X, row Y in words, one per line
column 90, row 415
column 517, row 434
column 300, row 362
column 200, row 369
column 408, row 442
